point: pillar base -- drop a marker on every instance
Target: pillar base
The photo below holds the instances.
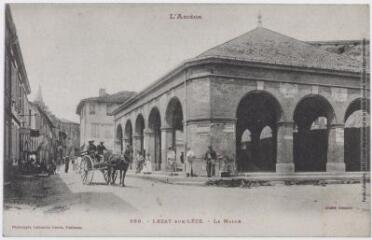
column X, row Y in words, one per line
column 335, row 167
column 285, row 167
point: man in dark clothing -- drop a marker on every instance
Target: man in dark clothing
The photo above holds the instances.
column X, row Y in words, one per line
column 100, row 150
column 92, row 149
column 210, row 157
column 69, row 154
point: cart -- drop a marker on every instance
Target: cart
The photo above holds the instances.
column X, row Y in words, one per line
column 89, row 166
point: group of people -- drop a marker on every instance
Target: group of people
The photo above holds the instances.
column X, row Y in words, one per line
column 210, row 158
column 190, row 157
column 143, row 162
column 95, row 152
column 32, row 164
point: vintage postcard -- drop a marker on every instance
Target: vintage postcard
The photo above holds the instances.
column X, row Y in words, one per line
column 186, row 120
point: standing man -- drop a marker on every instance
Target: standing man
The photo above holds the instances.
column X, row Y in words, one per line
column 69, row 154
column 210, row 157
column 189, row 159
column 171, row 158
column 100, row 150
column 59, row 153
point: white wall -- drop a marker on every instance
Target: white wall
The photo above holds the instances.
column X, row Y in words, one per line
column 98, row 127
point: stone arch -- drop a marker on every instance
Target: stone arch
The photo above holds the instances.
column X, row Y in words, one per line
column 266, row 132
column 246, row 136
column 174, row 113
column 174, row 124
column 128, row 133
column 139, row 134
column 154, row 146
column 255, row 111
column 310, row 145
column 354, row 128
column 355, row 105
column 119, row 138
column 312, row 106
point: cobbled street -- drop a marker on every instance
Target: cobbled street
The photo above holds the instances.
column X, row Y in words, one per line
column 300, row 210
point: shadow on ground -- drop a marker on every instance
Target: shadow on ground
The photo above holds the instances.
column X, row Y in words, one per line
column 51, row 195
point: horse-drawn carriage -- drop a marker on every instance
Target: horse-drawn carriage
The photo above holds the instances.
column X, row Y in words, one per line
column 108, row 164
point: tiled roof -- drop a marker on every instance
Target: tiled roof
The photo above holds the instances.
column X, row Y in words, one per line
column 265, row 46
column 64, row 120
column 262, row 45
column 117, row 98
column 350, row 48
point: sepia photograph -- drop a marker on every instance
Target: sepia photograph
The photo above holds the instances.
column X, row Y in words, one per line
column 184, row 120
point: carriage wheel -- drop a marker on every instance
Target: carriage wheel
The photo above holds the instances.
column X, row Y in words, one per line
column 86, row 172
column 106, row 176
column 81, row 165
column 115, row 176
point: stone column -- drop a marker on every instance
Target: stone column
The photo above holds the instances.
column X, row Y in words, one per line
column 125, row 143
column 116, row 145
column 335, row 154
column 148, row 144
column 136, row 144
column 166, row 141
column 284, row 156
column 146, row 139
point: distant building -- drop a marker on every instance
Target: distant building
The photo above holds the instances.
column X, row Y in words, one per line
column 69, row 129
column 43, row 140
column 95, row 123
column 63, row 128
column 16, row 109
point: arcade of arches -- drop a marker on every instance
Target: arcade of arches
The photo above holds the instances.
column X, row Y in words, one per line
column 315, row 138
column 149, row 140
column 265, row 142
column 266, row 102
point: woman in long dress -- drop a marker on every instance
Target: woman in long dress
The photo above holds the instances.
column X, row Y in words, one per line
column 147, row 168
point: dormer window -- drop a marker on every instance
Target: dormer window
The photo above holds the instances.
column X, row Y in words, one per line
column 92, row 109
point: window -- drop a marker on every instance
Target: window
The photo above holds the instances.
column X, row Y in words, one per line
column 108, row 131
column 109, row 108
column 20, row 99
column 92, row 108
column 95, row 130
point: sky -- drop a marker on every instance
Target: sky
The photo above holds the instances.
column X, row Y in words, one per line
column 72, row 50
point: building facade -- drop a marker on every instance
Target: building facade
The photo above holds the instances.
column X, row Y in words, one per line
column 71, row 130
column 63, row 129
column 16, row 110
column 43, row 141
column 95, row 122
column 264, row 101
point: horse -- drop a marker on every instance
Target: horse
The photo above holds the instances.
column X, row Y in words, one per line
column 117, row 162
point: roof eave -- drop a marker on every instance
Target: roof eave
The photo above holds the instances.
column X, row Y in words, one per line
column 80, row 106
column 218, row 59
column 18, row 51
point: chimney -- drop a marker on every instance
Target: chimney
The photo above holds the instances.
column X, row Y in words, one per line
column 102, row 92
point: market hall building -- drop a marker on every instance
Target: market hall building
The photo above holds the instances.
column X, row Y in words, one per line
column 265, row 101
